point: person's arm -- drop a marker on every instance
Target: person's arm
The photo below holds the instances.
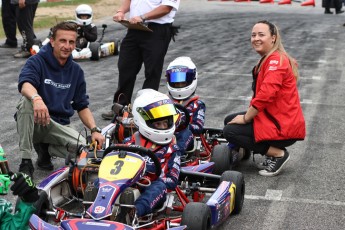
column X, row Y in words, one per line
column 246, row 118
column 158, row 12
column 120, row 13
column 41, row 113
column 90, row 32
column 20, row 219
column 197, row 124
column 88, row 120
column 170, row 178
column 26, row 190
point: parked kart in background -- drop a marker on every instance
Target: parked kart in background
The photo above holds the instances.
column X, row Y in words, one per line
column 93, row 51
column 86, row 194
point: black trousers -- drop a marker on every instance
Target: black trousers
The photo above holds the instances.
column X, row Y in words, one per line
column 337, row 4
column 243, row 136
column 140, row 47
column 8, row 15
column 25, row 21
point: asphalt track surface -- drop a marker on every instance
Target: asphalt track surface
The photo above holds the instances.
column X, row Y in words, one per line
column 309, row 193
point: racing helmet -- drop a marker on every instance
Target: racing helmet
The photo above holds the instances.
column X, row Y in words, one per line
column 182, row 78
column 151, row 106
column 83, row 9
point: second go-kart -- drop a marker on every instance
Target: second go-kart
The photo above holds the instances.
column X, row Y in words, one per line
column 87, row 194
column 209, row 146
column 93, row 50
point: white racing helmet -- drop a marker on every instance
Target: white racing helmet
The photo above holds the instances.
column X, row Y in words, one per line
column 83, row 9
column 182, row 78
column 150, row 106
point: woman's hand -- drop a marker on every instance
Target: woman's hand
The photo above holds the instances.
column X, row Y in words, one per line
column 239, row 119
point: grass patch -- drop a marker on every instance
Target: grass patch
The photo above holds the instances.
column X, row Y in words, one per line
column 49, row 21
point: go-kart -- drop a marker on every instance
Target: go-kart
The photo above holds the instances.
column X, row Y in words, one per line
column 93, row 50
column 211, row 146
column 86, row 194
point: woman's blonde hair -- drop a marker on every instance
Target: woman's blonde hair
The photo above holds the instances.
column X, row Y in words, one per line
column 278, row 46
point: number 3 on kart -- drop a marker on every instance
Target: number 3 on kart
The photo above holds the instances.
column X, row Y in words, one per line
column 118, row 165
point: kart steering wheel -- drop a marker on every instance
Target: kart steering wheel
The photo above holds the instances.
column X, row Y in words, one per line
column 137, row 149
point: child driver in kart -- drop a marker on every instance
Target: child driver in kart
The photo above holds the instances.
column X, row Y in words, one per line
column 182, row 80
column 153, row 114
column 87, row 31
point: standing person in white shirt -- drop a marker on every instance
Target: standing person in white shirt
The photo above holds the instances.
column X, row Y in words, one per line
column 140, row 47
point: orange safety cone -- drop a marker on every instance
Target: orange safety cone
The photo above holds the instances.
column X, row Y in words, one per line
column 284, row 2
column 308, row 3
column 266, row 1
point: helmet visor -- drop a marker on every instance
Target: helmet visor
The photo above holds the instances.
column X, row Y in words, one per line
column 84, row 16
column 157, row 110
column 180, row 77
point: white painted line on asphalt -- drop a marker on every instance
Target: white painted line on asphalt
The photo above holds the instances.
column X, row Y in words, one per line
column 317, row 61
column 276, row 195
column 306, row 101
column 245, row 74
column 273, row 194
column 310, row 78
column 230, row 74
column 248, row 98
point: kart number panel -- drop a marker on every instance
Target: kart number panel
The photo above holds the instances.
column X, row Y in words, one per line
column 114, row 168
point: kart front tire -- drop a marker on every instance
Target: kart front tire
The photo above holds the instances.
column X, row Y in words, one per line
column 117, row 47
column 247, row 154
column 221, row 156
column 238, row 179
column 196, row 216
column 95, row 48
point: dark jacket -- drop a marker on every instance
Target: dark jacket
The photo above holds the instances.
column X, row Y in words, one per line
column 62, row 88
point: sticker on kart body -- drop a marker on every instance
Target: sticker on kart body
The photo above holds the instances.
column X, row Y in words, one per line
column 99, row 209
column 115, row 168
column 97, row 224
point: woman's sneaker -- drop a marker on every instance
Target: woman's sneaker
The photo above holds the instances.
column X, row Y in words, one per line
column 265, row 163
column 275, row 165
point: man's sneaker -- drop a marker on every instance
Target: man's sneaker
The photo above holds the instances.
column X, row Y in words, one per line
column 44, row 158
column 108, row 116
column 6, row 45
column 22, row 54
column 265, row 163
column 27, row 167
column 275, row 165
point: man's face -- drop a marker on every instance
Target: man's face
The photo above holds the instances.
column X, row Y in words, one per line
column 63, row 44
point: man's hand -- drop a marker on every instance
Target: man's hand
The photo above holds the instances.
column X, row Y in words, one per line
column 95, row 136
column 24, row 187
column 21, row 4
column 119, row 16
column 41, row 113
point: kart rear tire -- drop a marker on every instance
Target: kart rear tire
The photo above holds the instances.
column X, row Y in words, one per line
column 95, row 48
column 238, row 179
column 196, row 216
column 221, row 156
